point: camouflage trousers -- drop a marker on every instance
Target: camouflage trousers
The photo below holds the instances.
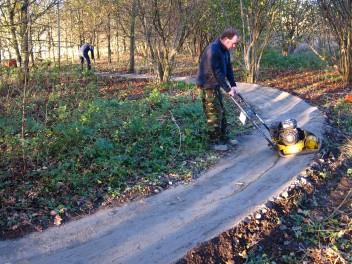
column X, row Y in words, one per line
column 215, row 113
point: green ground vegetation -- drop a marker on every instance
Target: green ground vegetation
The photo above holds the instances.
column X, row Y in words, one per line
column 305, row 59
column 82, row 149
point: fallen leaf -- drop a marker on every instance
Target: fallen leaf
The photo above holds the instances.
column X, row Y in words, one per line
column 57, row 220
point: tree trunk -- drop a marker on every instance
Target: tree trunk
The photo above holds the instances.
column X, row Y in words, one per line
column 117, row 45
column 337, row 14
column 193, row 47
column 167, row 72
column 52, row 44
column 9, row 52
column 251, row 75
column 160, row 72
column 255, row 26
column 166, row 26
column 58, row 35
column 66, row 45
column 249, row 61
column 25, row 40
column 24, row 29
column 166, row 61
column 124, row 44
column 97, row 44
column 345, row 67
column 39, row 55
column 13, row 32
column 132, row 37
column 31, row 48
column 0, row 51
column 51, row 47
column 109, row 39
column 284, row 49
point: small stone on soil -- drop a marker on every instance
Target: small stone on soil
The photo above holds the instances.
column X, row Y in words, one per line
column 303, row 181
column 284, row 194
column 283, row 227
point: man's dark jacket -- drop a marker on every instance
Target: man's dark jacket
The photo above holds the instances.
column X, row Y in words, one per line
column 214, row 67
column 84, row 49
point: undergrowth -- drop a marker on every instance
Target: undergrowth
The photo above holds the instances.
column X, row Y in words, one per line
column 82, row 150
column 272, row 59
column 322, row 224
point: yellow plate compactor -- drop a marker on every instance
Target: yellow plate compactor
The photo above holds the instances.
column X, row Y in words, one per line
column 284, row 136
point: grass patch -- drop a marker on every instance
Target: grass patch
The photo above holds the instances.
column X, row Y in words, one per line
column 342, row 111
column 82, row 150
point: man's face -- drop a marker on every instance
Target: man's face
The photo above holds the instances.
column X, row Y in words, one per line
column 230, row 43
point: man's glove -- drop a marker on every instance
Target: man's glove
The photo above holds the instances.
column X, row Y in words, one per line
column 232, row 92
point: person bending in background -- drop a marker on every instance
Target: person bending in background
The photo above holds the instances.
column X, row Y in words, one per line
column 83, row 55
column 214, row 71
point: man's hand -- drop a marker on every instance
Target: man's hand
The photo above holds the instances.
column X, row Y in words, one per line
column 232, row 92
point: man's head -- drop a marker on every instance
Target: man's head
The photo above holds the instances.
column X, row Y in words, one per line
column 229, row 38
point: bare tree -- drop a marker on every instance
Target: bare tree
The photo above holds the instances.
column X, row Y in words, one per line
column 24, row 33
column 25, row 28
column 318, row 36
column 294, row 21
column 14, row 19
column 12, row 8
column 126, row 16
column 216, row 15
column 257, row 25
column 338, row 16
column 165, row 26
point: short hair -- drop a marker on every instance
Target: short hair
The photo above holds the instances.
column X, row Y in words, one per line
column 229, row 33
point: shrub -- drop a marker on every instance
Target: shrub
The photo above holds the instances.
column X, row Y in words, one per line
column 272, row 59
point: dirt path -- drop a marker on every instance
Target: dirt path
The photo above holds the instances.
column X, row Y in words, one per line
column 145, row 76
column 162, row 228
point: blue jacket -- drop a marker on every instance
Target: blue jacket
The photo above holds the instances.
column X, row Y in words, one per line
column 84, row 49
column 214, row 67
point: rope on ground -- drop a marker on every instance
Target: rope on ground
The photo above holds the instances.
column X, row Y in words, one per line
column 179, row 131
column 342, row 203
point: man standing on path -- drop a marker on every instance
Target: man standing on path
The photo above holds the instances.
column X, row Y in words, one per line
column 214, row 71
column 83, row 54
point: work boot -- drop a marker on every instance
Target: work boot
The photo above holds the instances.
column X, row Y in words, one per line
column 220, row 147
